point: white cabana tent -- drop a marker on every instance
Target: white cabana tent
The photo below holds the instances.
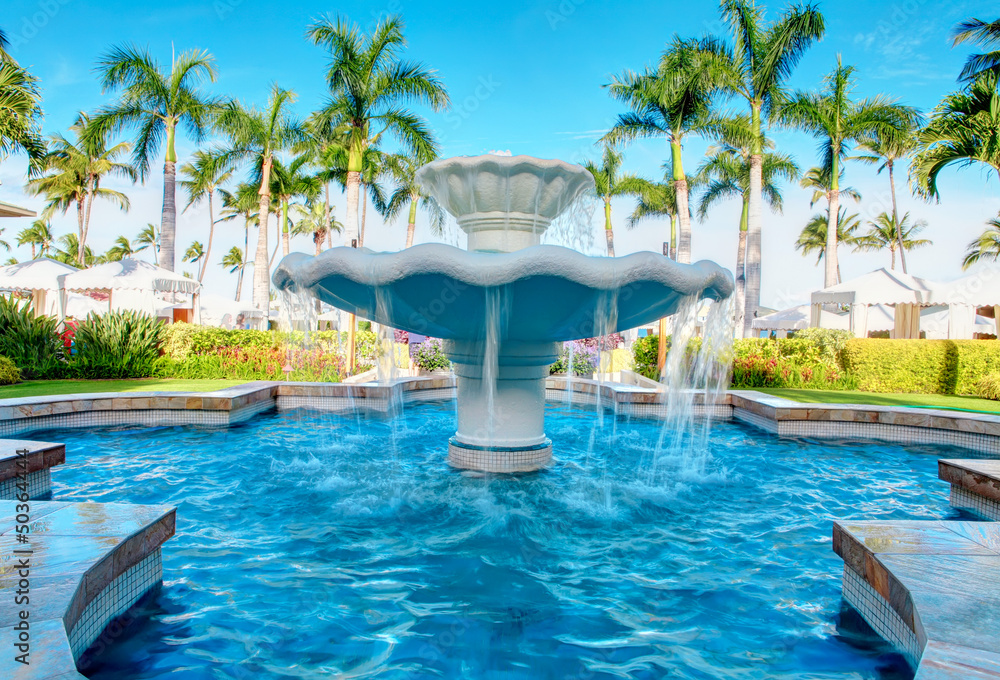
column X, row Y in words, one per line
column 41, row 278
column 907, row 294
column 798, row 318
column 969, row 294
column 133, row 284
column 219, row 311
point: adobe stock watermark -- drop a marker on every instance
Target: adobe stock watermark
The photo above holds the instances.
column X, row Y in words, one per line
column 25, row 30
column 561, row 12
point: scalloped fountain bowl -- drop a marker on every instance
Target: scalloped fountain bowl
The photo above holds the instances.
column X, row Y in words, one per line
column 502, row 314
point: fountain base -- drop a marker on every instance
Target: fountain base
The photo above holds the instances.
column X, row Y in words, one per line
column 496, row 459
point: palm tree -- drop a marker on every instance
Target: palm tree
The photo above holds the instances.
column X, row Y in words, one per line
column 236, row 262
column 255, row 137
column 403, row 169
column 313, row 219
column 38, row 236
column 671, row 102
column 813, row 236
column 369, row 87
column 657, row 200
column 149, row 237
column 839, row 122
column 121, row 250
column 964, row 128
column 4, row 45
column 73, row 172
column 20, row 112
column 70, row 252
column 201, row 179
column 755, row 69
column 155, row 102
column 241, row 203
column 888, row 146
column 325, row 146
column 884, row 232
column 986, row 34
column 194, row 254
column 725, row 174
column 3, row 243
column 287, row 183
column 609, row 184
column 985, row 247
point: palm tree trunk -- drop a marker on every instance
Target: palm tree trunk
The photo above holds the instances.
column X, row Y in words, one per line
column 895, row 217
column 351, row 224
column 246, row 253
column 892, row 254
column 364, row 215
column 80, row 211
column 753, row 256
column 285, row 245
column 168, row 219
column 412, row 223
column 683, row 212
column 832, row 262
column 82, row 245
column 673, row 237
column 608, row 231
column 211, row 233
column 261, row 271
column 741, row 276
column 326, row 215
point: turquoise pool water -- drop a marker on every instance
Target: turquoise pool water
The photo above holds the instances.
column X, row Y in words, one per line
column 312, row 545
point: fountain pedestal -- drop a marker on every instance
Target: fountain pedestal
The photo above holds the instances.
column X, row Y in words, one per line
column 501, row 424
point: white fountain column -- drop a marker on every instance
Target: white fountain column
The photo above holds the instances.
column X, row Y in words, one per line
column 501, row 418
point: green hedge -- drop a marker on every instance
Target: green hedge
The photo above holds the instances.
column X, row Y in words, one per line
column 9, row 373
column 921, row 366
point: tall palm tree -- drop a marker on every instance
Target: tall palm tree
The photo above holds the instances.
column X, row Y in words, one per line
column 403, row 169
column 885, row 233
column 888, row 146
column 755, row 68
column 149, row 237
column 289, row 182
column 73, row 172
column 314, row 219
column 70, row 252
column 725, row 174
column 610, row 182
column 325, row 145
column 201, row 178
column 369, row 88
column 241, row 203
column 984, row 247
column 195, row 254
column 20, row 113
column 987, row 35
column 4, row 46
column 813, row 236
column 839, row 122
column 38, row 236
column 236, row 262
column 156, row 102
column 671, row 101
column 121, row 250
column 255, row 137
column 657, row 200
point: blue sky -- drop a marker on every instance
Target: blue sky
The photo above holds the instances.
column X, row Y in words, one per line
column 524, row 77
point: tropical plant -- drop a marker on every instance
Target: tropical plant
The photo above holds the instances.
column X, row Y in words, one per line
column 38, row 236
column 813, row 239
column 985, row 34
column 984, row 247
column 236, row 262
column 20, row 113
column 201, row 178
column 3, row 243
column 657, row 200
column 755, row 68
column 609, row 183
column 120, row 344
column 73, row 172
column 839, row 122
column 70, row 251
column 429, row 356
column 255, row 137
column 155, row 103
column 121, row 250
column 30, row 341
column 369, row 88
column 314, row 218
column 671, row 101
column 149, row 237
column 10, row 374
column 4, row 46
column 403, row 170
column 241, row 203
column 884, row 233
column 289, row 182
column 195, row 254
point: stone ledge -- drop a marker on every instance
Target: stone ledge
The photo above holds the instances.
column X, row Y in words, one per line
column 41, row 455
column 942, row 580
column 979, row 477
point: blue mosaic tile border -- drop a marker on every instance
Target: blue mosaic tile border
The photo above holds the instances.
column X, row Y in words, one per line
column 880, row 616
column 982, row 506
column 39, row 485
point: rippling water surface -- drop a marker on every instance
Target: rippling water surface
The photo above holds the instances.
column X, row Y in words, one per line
column 309, row 545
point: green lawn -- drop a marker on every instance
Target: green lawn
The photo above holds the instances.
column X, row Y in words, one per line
column 44, row 388
column 919, row 400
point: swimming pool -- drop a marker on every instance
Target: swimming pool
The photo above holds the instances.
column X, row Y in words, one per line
column 319, row 545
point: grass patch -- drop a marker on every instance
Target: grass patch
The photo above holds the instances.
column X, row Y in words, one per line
column 942, row 401
column 46, row 388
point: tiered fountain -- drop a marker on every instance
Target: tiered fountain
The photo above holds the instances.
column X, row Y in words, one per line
column 504, row 305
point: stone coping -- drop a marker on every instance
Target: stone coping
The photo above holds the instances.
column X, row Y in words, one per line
column 78, row 551
column 980, row 477
column 942, row 578
column 40, row 456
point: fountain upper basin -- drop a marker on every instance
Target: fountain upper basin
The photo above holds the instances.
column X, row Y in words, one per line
column 546, row 293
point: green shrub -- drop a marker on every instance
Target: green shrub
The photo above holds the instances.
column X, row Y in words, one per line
column 645, row 356
column 122, row 344
column 31, row 342
column 908, row 366
column 255, row 363
column 809, row 362
column 988, row 387
column 976, row 360
column 830, row 343
column 430, row 357
column 9, row 373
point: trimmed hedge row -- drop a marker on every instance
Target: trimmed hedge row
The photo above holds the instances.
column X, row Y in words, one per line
column 921, row 366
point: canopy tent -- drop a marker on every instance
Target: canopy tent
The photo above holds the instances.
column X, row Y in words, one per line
column 42, row 278
column 133, row 284
column 970, row 293
column 798, row 318
column 220, row 311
